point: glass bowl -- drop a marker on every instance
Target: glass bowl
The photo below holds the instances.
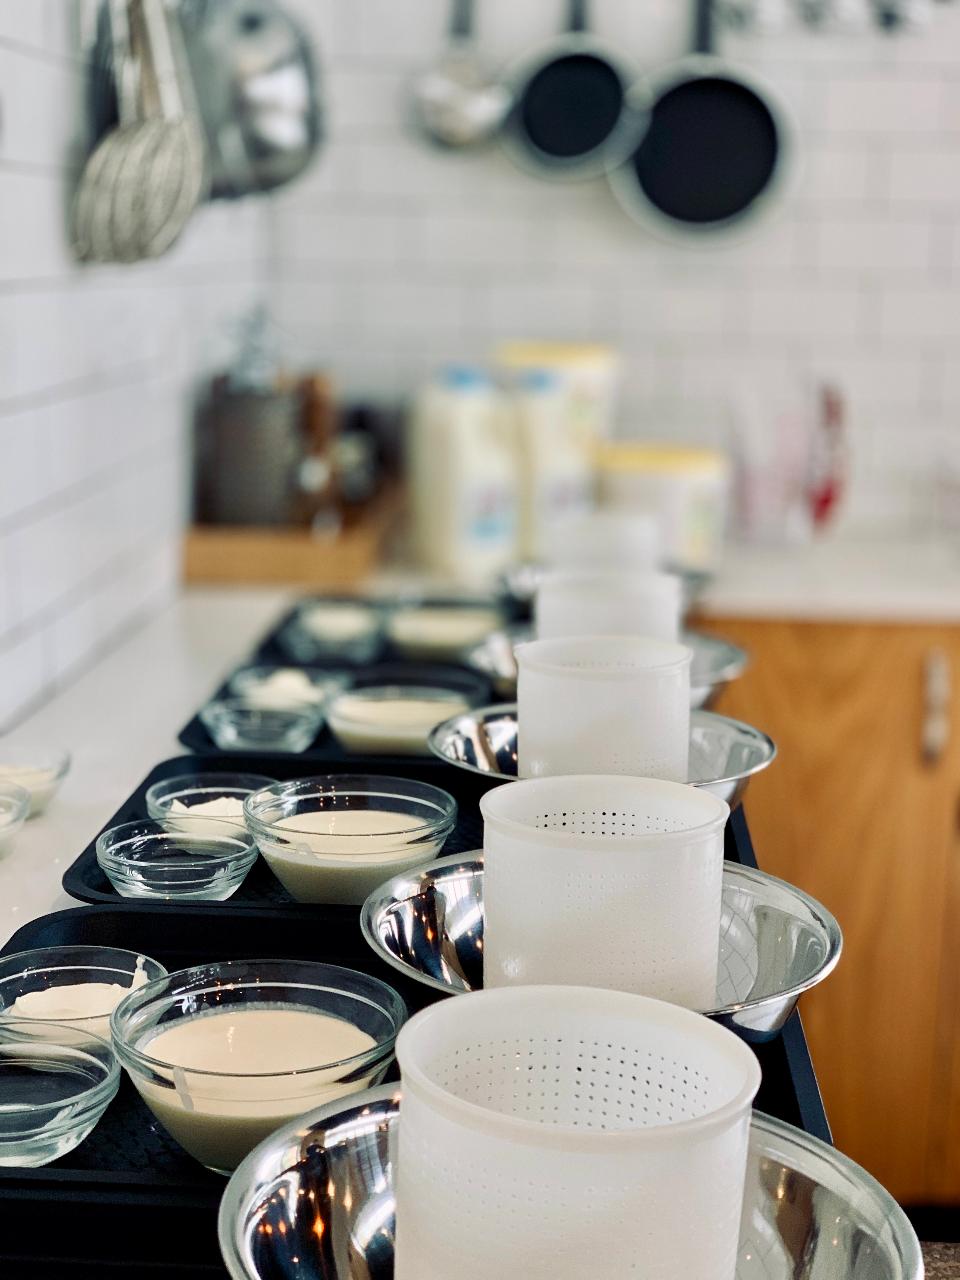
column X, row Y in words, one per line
column 391, row 719
column 440, row 630
column 276, row 688
column 335, row 839
column 351, row 629
column 53, row 1090
column 27, row 973
column 235, row 724
column 267, row 1071
column 14, row 811
column 182, row 861
column 40, row 770
column 182, row 798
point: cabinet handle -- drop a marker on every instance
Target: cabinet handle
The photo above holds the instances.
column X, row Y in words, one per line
column 935, row 727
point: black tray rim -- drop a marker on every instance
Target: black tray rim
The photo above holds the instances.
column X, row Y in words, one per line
column 74, row 884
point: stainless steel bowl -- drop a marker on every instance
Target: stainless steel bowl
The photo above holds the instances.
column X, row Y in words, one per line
column 715, row 663
column 724, row 753
column 775, row 941
column 317, row 1200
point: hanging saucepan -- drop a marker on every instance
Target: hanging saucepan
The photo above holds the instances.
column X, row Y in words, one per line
column 573, row 110
column 718, row 149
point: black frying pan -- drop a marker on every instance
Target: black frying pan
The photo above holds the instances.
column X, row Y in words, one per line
column 717, row 150
column 571, row 112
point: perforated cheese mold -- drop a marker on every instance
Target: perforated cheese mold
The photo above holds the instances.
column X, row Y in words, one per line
column 607, row 881
column 564, row 1132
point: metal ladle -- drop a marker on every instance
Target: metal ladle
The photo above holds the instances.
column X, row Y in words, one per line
column 459, row 102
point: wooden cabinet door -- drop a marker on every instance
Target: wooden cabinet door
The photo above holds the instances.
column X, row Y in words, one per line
column 852, row 813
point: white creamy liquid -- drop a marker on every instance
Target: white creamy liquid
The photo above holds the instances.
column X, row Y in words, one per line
column 398, row 725
column 342, row 855
column 221, row 811
column 338, row 621
column 434, row 630
column 85, row 1005
column 282, row 690
column 219, row 1119
column 41, row 783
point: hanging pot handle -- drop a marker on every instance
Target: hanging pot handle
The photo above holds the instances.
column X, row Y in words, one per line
column 461, row 20
column 703, row 26
column 578, row 19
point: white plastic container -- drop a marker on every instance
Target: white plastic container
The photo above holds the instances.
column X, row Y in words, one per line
column 554, row 464
column 463, row 477
column 605, row 540
column 559, row 1133
column 626, row 874
column 604, row 704
column 608, row 602
column 687, row 489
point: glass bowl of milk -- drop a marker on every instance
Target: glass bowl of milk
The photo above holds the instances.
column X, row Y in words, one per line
column 184, row 859
column 53, row 1089
column 218, row 797
column 39, row 770
column 322, row 629
column 391, row 719
column 78, row 986
column 335, row 839
column 224, row 1054
column 14, row 811
column 440, row 630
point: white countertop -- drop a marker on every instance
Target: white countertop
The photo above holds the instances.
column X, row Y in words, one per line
column 836, row 580
column 119, row 720
column 121, row 717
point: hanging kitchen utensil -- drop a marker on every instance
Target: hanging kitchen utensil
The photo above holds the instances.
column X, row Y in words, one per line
column 459, row 102
column 161, row 186
column 258, row 92
column 92, row 235
column 901, row 15
column 144, row 180
column 575, row 109
column 718, row 150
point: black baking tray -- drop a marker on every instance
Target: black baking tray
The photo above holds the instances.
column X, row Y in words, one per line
column 127, row 1202
column 474, row 687
column 85, row 880
column 271, row 647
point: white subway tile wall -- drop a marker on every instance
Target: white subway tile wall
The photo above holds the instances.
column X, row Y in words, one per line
column 97, row 367
column 389, row 258
column 393, row 257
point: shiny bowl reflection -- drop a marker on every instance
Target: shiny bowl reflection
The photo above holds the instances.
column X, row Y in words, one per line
column 316, row 1200
column 724, row 753
column 775, row 941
